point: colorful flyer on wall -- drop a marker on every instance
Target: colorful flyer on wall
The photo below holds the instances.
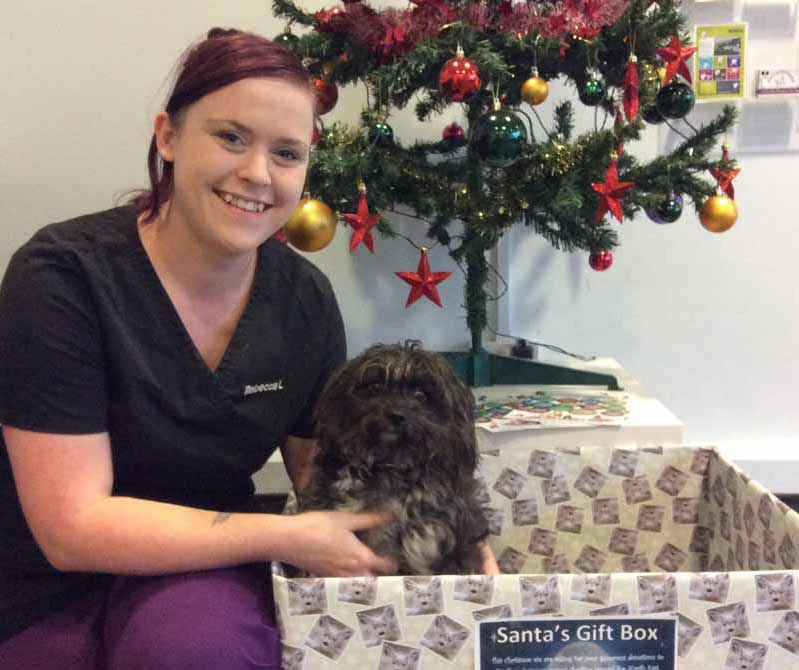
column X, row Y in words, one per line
column 719, row 70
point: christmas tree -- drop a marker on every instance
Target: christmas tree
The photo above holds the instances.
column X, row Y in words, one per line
column 625, row 58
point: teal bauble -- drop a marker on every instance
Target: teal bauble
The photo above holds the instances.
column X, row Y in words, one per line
column 287, row 40
column 381, row 134
column 651, row 115
column 675, row 100
column 592, row 92
column 498, row 138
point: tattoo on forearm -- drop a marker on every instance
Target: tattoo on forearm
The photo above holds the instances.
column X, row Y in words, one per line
column 221, row 518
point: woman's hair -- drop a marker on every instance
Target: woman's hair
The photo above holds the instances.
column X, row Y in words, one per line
column 222, row 58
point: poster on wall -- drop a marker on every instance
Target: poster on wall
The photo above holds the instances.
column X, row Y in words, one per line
column 719, row 65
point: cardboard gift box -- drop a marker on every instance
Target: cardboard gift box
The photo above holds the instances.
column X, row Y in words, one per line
column 580, row 532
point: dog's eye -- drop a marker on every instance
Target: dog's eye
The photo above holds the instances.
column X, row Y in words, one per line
column 420, row 395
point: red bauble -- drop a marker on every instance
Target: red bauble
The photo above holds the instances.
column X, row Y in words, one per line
column 326, row 95
column 600, row 260
column 333, row 20
column 459, row 78
column 453, row 133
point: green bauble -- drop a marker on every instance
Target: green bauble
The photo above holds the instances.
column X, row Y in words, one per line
column 671, row 208
column 381, row 135
column 651, row 115
column 498, row 138
column 675, row 100
column 287, row 40
column 592, row 92
column 667, row 210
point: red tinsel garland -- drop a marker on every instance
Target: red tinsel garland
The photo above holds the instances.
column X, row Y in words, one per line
column 392, row 32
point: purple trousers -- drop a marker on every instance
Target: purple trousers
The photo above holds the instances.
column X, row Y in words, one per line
column 212, row 620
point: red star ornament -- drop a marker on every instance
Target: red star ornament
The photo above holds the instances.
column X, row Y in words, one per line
column 362, row 222
column 423, row 282
column 611, row 191
column 675, row 54
column 725, row 177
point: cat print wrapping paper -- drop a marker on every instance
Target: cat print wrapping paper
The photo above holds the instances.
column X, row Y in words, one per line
column 580, row 532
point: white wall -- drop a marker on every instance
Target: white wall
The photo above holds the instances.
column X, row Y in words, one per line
column 705, row 322
column 82, row 82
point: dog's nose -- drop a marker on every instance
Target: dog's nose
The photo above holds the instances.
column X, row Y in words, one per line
column 397, row 418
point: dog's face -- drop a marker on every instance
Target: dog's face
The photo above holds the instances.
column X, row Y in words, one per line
column 397, row 414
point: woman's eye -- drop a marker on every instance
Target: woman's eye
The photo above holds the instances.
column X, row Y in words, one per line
column 420, row 395
column 230, row 137
column 289, row 154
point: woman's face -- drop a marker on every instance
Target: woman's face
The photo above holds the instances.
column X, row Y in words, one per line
column 240, row 155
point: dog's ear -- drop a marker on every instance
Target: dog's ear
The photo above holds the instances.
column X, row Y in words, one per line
column 461, row 404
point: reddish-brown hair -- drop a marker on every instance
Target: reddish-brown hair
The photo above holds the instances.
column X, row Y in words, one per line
column 222, row 58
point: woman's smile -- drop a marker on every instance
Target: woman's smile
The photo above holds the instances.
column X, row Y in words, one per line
column 242, row 203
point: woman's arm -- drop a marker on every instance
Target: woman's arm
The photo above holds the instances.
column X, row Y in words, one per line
column 298, row 458
column 65, row 482
column 489, row 562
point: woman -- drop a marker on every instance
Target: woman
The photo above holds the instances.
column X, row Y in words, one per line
column 131, row 342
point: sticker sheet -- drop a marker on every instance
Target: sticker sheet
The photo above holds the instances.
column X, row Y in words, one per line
column 551, row 410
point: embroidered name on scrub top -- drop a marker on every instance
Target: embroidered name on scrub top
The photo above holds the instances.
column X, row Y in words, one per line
column 249, row 389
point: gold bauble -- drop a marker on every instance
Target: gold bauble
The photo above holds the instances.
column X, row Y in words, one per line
column 535, row 90
column 649, row 82
column 311, row 226
column 646, row 71
column 718, row 214
column 661, row 73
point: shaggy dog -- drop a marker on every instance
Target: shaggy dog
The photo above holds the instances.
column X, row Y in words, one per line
column 396, row 433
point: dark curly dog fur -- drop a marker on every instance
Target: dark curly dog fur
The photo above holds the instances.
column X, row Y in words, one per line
column 396, row 433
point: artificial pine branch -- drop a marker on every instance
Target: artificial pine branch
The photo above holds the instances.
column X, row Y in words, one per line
column 548, row 188
column 288, row 10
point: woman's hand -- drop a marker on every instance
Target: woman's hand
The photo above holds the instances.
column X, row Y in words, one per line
column 488, row 564
column 325, row 544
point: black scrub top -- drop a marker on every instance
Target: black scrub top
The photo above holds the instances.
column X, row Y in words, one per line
column 90, row 342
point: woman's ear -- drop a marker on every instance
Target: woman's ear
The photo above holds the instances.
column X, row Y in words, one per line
column 165, row 132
